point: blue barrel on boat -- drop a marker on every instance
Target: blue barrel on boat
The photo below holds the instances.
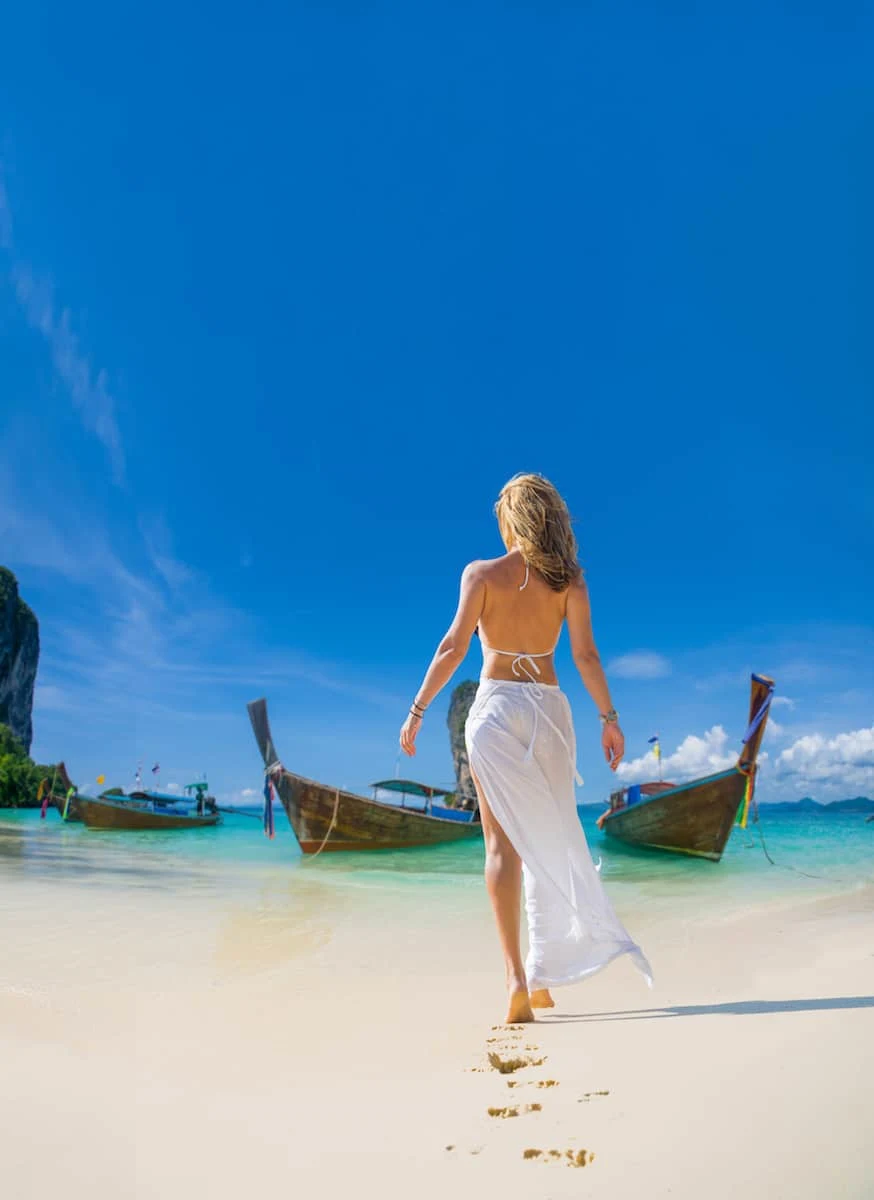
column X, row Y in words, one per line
column 633, row 794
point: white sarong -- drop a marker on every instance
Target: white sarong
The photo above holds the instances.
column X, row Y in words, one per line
column 522, row 750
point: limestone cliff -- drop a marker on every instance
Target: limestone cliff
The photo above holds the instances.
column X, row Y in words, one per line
column 459, row 706
column 19, row 656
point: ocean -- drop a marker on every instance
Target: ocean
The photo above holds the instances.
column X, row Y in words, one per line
column 816, row 855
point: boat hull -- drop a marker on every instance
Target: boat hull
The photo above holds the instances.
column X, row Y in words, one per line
column 694, row 819
column 359, row 823
column 329, row 819
column 103, row 814
column 73, row 813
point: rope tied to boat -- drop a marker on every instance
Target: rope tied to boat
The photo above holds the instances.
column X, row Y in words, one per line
column 330, row 827
column 276, row 768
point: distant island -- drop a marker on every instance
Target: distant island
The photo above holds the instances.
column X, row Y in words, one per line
column 857, row 804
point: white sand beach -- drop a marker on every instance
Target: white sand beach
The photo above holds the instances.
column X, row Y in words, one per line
column 317, row 1039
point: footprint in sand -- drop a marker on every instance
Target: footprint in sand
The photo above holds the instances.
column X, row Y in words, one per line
column 513, row 1110
column 587, row 1096
column 579, row 1158
column 506, row 1066
column 571, row 1158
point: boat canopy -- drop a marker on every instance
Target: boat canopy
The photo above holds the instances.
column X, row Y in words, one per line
column 163, row 797
column 410, row 788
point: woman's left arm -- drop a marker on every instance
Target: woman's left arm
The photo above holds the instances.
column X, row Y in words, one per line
column 450, row 653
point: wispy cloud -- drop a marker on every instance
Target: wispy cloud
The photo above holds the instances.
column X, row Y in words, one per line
column 88, row 387
column 151, row 637
column 640, row 664
column 156, row 535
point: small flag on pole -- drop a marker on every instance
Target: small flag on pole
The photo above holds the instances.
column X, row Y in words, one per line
column 156, row 768
column 656, row 746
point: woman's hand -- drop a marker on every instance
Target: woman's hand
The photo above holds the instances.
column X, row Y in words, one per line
column 409, row 732
column 613, row 743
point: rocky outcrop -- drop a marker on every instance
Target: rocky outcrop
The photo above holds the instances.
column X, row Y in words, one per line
column 459, row 706
column 19, row 656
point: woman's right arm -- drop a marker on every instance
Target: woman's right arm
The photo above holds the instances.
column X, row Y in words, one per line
column 588, row 663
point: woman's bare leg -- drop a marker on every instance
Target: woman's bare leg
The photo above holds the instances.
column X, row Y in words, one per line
column 504, row 885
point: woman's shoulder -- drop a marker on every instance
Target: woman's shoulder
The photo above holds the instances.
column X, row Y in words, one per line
column 489, row 569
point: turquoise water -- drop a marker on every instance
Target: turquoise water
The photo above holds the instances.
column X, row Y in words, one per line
column 235, row 858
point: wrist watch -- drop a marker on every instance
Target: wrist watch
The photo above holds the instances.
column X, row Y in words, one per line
column 609, row 718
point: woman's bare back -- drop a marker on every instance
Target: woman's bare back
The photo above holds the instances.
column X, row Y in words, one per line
column 521, row 614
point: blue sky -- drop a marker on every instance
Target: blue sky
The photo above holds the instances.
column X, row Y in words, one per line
column 286, row 294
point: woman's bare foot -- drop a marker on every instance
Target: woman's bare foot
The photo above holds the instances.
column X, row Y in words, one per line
column 519, row 1007
column 540, row 998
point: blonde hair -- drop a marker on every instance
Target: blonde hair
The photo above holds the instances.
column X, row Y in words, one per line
column 533, row 517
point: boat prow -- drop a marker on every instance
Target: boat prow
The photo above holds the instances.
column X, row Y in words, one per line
column 63, row 794
column 693, row 818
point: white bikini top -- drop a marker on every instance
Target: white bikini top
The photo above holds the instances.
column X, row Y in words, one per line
column 518, row 666
column 524, row 667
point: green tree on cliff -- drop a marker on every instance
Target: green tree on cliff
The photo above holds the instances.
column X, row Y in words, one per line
column 19, row 776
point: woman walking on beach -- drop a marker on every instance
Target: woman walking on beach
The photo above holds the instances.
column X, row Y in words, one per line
column 522, row 749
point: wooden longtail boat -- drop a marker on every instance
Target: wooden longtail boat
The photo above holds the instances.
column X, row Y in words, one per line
column 693, row 818
column 129, row 812
column 139, row 811
column 327, row 818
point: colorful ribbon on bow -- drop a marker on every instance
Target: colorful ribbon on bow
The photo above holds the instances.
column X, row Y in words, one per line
column 269, row 828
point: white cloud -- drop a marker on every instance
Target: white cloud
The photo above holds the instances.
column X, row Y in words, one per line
column 844, row 762
column 640, row 664
column 774, row 730
column 247, row 792
column 695, row 756
column 786, row 701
